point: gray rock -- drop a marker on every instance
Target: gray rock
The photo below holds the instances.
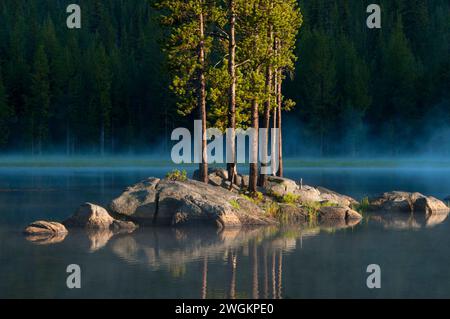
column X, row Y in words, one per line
column 407, row 203
column 338, row 213
column 308, row 194
column 281, row 186
column 335, row 198
column 138, row 201
column 90, row 216
column 430, row 206
column 180, row 203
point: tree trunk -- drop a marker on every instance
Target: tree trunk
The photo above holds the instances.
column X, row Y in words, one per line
column 274, row 139
column 280, row 132
column 202, row 102
column 232, row 94
column 253, row 180
column 266, row 120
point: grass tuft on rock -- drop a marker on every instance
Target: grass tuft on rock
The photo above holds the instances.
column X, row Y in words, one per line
column 177, row 176
column 363, row 206
column 234, row 203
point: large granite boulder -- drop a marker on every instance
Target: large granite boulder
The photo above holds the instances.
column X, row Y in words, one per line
column 408, row 203
column 186, row 202
column 90, row 216
column 138, row 201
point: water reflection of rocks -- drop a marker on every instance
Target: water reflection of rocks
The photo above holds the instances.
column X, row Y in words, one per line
column 257, row 251
column 263, row 248
column 250, row 259
column 403, row 221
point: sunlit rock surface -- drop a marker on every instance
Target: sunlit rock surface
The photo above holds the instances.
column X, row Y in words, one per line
column 408, row 203
column 45, row 228
column 175, row 203
column 90, row 216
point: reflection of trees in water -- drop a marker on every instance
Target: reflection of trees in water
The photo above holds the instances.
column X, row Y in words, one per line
column 205, row 277
column 249, row 249
column 258, row 254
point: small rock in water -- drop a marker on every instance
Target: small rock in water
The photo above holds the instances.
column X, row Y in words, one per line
column 45, row 233
column 90, row 216
column 45, row 228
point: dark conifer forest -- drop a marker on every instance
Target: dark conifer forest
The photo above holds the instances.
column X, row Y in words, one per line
column 105, row 88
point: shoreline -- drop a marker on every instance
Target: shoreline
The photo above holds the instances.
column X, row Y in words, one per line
column 138, row 162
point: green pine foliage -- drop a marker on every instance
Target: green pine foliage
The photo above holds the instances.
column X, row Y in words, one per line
column 109, row 87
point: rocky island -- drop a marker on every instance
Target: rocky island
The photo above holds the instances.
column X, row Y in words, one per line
column 177, row 201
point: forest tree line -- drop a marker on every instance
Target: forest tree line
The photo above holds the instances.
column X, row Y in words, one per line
column 105, row 88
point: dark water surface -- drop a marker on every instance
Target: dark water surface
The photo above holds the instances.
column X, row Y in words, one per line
column 293, row 262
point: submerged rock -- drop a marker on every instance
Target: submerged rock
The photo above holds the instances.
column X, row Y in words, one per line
column 45, row 228
column 408, row 203
column 175, row 203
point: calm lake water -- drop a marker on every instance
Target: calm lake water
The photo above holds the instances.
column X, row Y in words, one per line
column 293, row 262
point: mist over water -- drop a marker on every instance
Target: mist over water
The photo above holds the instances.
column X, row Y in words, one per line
column 430, row 139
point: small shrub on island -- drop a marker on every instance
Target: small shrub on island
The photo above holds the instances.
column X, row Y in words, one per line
column 177, row 176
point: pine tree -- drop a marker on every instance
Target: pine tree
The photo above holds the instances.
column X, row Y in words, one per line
column 318, row 85
column 6, row 114
column 39, row 102
column 188, row 53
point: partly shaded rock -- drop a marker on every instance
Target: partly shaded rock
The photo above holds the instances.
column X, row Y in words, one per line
column 338, row 213
column 335, row 198
column 138, row 201
column 308, row 194
column 90, row 216
column 281, row 186
column 431, row 206
column 189, row 202
column 45, row 228
column 407, row 203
